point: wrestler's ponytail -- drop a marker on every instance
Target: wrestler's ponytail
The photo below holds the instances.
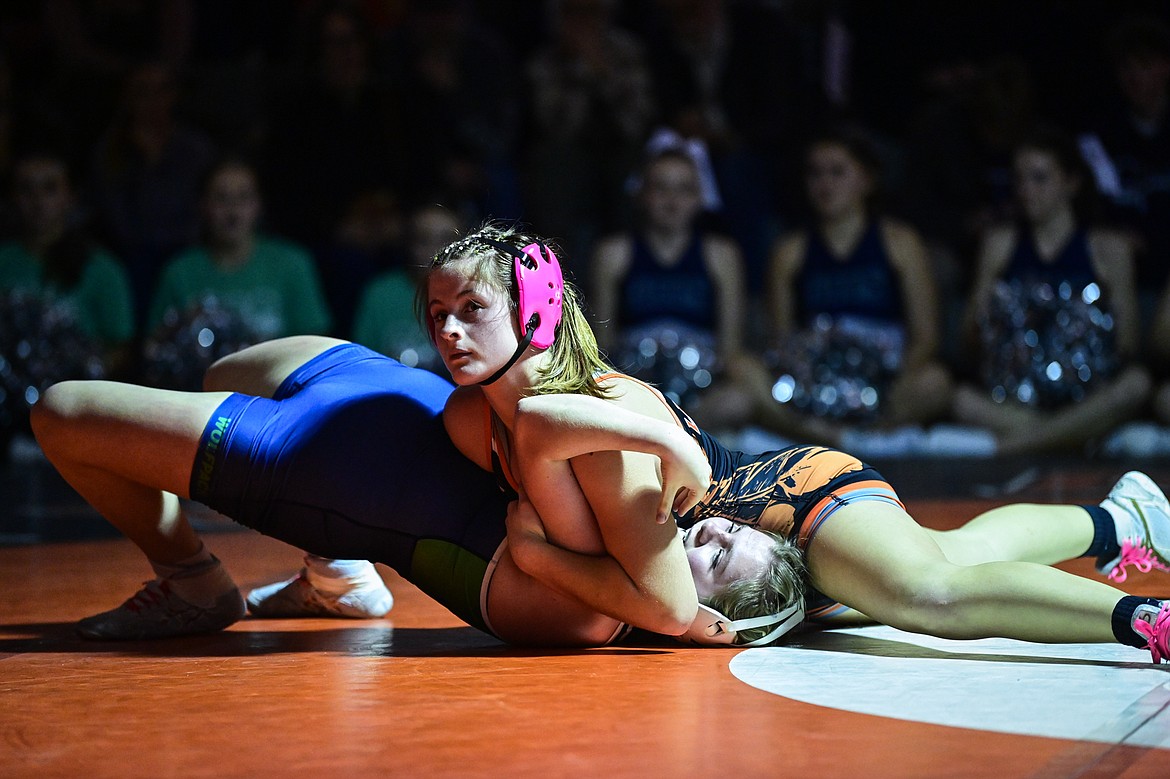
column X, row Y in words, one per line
column 574, row 357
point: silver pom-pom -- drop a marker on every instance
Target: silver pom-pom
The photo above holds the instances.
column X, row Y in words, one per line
column 187, row 342
column 680, row 360
column 1046, row 346
column 40, row 345
column 838, row 368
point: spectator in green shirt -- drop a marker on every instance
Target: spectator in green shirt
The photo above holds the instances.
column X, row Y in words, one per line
column 386, row 320
column 55, row 257
column 270, row 283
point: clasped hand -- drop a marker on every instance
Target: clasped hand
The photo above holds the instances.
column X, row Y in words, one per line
column 686, row 477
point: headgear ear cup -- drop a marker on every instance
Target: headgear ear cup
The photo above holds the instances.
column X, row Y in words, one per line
column 540, row 288
column 540, row 292
column 711, row 628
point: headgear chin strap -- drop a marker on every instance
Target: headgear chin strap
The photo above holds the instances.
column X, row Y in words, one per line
column 711, row 628
column 540, row 291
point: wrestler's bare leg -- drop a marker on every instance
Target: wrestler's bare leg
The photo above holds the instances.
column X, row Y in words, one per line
column 128, row 451
column 261, row 369
column 878, row 560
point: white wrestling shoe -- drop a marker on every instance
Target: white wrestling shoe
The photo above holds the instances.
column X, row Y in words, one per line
column 156, row 611
column 309, row 594
column 1142, row 516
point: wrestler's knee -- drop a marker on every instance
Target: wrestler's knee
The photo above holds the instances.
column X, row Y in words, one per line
column 54, row 411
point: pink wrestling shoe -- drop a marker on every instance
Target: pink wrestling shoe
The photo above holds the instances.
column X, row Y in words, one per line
column 1157, row 633
column 1141, row 514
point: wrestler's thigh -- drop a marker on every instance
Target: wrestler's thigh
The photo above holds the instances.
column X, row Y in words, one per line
column 144, row 434
column 874, row 558
column 261, row 369
column 524, row 611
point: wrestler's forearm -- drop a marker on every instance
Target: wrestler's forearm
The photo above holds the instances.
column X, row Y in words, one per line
column 560, row 427
column 553, row 428
column 644, row 578
column 603, row 585
column 567, row 517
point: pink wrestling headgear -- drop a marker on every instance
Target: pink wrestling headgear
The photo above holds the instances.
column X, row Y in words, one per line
column 540, row 292
column 711, row 628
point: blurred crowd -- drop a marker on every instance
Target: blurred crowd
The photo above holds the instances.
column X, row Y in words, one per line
column 899, row 228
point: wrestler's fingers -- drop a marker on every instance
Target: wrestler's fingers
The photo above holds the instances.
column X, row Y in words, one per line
column 685, row 500
column 680, row 499
column 663, row 506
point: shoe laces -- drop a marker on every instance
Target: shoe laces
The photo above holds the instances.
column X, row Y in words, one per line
column 1157, row 635
column 152, row 593
column 1139, row 557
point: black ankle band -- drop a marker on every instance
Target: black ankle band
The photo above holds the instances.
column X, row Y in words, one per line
column 1123, row 620
column 1105, row 545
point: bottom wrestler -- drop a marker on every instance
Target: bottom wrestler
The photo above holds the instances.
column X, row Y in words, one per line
column 869, row 557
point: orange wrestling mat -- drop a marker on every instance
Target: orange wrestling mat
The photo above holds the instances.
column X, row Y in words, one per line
column 419, row 694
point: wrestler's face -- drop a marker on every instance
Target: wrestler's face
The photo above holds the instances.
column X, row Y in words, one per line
column 1042, row 186
column 722, row 552
column 836, row 181
column 475, row 329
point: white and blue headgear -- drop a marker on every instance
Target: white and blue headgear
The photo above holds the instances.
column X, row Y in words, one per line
column 711, row 628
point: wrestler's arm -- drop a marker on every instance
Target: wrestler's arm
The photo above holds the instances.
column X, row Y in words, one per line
column 573, row 525
column 556, row 428
column 598, row 581
column 637, row 572
column 643, row 570
column 463, row 417
column 632, row 573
